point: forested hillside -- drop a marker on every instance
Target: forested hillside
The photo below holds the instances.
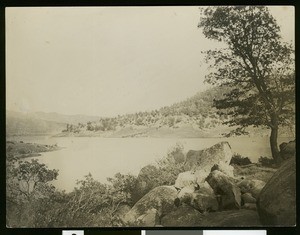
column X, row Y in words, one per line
column 196, row 112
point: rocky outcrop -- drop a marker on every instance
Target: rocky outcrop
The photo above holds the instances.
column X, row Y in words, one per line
column 205, row 159
column 145, row 182
column 251, row 186
column 276, row 203
column 183, row 216
column 225, row 188
column 288, row 150
column 160, row 198
column 191, row 178
column 233, row 218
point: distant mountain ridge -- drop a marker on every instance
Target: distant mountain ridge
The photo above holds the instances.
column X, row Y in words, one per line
column 40, row 123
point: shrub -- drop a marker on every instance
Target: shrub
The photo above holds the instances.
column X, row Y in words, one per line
column 266, row 161
column 238, row 159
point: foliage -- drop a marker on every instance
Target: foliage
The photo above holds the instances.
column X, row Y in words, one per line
column 33, row 202
column 238, row 159
column 255, row 65
column 266, row 161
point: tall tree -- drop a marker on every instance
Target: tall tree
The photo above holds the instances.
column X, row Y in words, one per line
column 255, row 64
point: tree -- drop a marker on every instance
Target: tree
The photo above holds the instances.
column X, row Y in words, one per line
column 255, row 64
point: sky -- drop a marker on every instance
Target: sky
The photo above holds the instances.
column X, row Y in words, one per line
column 107, row 61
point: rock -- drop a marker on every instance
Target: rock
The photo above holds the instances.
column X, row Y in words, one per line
column 287, row 150
column 181, row 217
column 145, row 182
column 160, row 198
column 206, row 158
column 248, row 198
column 204, row 202
column 184, row 179
column 276, row 203
column 224, row 167
column 251, row 186
column 233, row 218
column 224, row 186
column 122, row 211
column 202, row 199
column 149, row 219
column 249, row 206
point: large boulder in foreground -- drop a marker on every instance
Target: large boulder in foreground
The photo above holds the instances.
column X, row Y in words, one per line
column 160, row 198
column 233, row 218
column 276, row 203
column 183, row 216
column 145, row 182
column 205, row 159
column 225, row 188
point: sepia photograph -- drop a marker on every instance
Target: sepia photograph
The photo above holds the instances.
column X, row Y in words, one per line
column 169, row 116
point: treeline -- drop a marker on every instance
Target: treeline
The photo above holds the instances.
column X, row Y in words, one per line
column 197, row 110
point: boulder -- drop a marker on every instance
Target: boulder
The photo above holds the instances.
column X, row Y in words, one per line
column 250, row 206
column 205, row 159
column 202, row 199
column 233, row 218
column 145, row 182
column 224, row 167
column 276, row 203
column 287, row 150
column 248, row 198
column 223, row 186
column 251, row 186
column 183, row 216
column 160, row 198
column 149, row 219
column 190, row 178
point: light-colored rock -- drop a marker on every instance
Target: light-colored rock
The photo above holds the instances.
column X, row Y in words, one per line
column 276, row 204
column 191, row 178
column 160, row 198
column 251, row 186
column 183, row 216
column 205, row 159
column 224, row 167
column 233, row 218
column 224, row 186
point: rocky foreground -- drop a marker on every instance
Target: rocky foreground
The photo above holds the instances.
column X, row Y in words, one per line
column 211, row 192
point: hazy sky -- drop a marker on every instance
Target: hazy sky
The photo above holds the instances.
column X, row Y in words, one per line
column 106, row 61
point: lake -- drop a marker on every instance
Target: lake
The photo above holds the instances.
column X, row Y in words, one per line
column 103, row 157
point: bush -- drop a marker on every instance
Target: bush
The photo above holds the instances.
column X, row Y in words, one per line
column 267, row 162
column 239, row 160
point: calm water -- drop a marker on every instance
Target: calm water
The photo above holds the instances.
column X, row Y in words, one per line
column 103, row 157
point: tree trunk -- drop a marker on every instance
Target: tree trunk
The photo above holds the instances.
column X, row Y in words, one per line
column 273, row 140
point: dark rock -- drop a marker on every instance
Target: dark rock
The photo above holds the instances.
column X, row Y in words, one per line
column 287, row 150
column 224, row 186
column 276, row 204
column 248, row 198
column 181, row 217
column 146, row 181
column 250, row 206
column 205, row 159
column 233, row 218
column 160, row 198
